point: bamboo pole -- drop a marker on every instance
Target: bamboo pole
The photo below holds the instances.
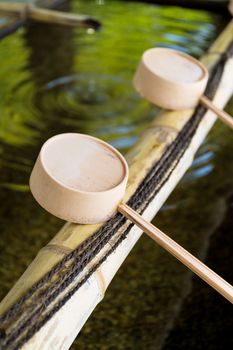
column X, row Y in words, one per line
column 29, row 11
column 60, row 331
column 12, row 21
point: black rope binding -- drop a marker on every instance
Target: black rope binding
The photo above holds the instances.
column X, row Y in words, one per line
column 26, row 316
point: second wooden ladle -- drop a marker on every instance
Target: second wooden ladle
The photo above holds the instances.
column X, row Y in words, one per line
column 174, row 80
column 82, row 179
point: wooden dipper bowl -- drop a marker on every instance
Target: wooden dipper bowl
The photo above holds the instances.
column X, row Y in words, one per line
column 82, row 179
column 174, row 80
column 79, row 178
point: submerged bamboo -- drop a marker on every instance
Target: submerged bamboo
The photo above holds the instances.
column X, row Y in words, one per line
column 60, row 331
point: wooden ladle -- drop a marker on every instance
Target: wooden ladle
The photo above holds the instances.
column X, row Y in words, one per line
column 82, row 179
column 174, row 80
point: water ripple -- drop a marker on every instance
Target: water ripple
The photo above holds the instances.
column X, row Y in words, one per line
column 57, row 79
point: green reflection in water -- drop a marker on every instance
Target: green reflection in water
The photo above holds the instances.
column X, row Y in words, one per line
column 56, row 80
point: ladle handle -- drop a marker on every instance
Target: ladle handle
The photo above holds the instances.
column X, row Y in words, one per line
column 209, row 276
column 225, row 117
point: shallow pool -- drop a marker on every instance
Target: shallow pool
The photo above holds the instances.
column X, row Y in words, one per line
column 54, row 80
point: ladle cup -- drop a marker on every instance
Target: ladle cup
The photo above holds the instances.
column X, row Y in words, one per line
column 174, row 80
column 82, row 179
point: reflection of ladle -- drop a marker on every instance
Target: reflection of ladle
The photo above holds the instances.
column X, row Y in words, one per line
column 174, row 80
column 82, row 179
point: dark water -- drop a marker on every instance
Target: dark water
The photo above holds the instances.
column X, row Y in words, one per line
column 56, row 80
